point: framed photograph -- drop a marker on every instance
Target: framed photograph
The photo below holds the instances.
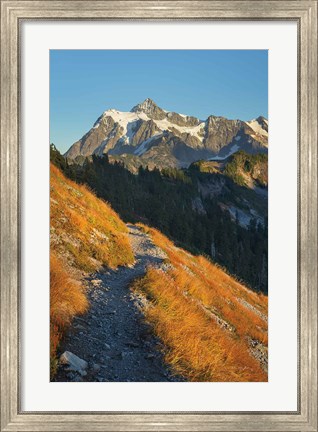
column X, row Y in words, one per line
column 158, row 215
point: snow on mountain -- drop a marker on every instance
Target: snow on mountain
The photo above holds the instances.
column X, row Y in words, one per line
column 126, row 121
column 143, row 147
column 174, row 139
column 233, row 150
column 257, row 128
column 166, row 124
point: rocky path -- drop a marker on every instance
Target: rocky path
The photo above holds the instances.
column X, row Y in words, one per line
column 112, row 337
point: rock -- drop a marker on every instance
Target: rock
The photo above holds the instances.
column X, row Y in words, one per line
column 79, row 327
column 149, row 356
column 96, row 282
column 118, row 355
column 74, row 377
column 81, row 320
column 113, row 312
column 133, row 344
column 104, row 359
column 74, row 363
column 96, row 367
column 77, row 378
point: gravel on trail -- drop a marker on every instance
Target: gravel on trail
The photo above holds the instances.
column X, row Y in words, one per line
column 112, row 337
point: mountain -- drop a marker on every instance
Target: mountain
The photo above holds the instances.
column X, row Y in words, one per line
column 150, row 135
column 244, row 169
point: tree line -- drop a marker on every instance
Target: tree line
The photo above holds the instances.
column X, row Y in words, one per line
column 165, row 200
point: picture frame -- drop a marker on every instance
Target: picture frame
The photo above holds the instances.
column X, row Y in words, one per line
column 12, row 15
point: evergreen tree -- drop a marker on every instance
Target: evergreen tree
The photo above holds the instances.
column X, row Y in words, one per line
column 164, row 199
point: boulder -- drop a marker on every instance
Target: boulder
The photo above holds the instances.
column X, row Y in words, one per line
column 74, row 363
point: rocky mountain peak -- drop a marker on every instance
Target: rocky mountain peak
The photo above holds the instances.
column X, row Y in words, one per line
column 146, row 105
column 263, row 122
column 150, row 108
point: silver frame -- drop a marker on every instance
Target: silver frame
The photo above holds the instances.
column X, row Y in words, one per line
column 305, row 14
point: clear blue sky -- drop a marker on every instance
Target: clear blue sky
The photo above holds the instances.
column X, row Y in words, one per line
column 85, row 83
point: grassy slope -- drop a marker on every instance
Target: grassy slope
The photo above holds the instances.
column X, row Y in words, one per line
column 248, row 170
column 189, row 301
column 191, row 305
column 85, row 235
column 84, row 228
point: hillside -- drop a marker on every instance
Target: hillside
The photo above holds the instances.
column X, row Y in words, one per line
column 85, row 235
column 213, row 327
column 149, row 135
column 84, row 229
column 244, row 169
column 242, row 179
column 248, row 170
column 131, row 306
column 203, row 212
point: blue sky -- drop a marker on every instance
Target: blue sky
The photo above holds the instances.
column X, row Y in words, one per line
column 85, row 83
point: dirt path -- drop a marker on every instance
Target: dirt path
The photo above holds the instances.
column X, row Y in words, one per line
column 112, row 336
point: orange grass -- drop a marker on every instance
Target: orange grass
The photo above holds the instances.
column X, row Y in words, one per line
column 85, row 234
column 85, row 229
column 185, row 303
column 67, row 299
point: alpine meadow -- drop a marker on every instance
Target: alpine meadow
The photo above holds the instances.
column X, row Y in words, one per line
column 158, row 219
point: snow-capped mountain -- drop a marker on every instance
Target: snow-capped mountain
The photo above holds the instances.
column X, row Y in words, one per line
column 154, row 136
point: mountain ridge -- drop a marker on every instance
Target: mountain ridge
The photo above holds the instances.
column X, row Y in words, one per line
column 166, row 138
